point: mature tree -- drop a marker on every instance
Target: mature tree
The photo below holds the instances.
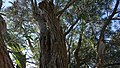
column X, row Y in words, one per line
column 63, row 33
column 52, row 38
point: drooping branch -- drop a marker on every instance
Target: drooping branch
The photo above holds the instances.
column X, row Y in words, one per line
column 67, row 6
column 71, row 27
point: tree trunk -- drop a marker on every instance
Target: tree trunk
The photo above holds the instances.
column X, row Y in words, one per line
column 52, row 40
column 5, row 61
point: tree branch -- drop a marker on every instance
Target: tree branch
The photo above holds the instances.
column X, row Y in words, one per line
column 108, row 21
column 118, row 12
column 71, row 27
column 101, row 38
column 67, row 6
column 115, row 18
column 77, row 51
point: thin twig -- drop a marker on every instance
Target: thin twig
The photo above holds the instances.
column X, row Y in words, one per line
column 71, row 27
column 67, row 6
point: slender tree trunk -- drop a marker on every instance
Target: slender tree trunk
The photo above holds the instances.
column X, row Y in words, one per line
column 52, row 39
column 5, row 61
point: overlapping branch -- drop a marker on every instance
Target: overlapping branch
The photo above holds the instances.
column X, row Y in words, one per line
column 71, row 27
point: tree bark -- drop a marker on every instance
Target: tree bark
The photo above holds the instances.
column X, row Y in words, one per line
column 53, row 52
column 5, row 61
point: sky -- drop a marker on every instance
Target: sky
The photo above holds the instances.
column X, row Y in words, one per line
column 6, row 3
